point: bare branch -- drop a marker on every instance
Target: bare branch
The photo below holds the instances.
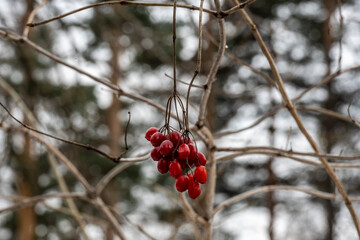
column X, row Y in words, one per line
column 272, row 188
column 121, row 2
column 34, row 200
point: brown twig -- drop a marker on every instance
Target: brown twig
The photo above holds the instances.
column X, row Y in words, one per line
column 115, row 159
column 279, row 151
column 284, row 155
column 31, row 18
column 272, row 188
column 34, row 200
column 121, row 2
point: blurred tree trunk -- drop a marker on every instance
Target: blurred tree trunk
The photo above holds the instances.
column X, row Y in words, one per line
column 327, row 123
column 26, row 179
column 113, row 121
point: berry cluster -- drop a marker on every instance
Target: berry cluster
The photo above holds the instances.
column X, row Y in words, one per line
column 177, row 154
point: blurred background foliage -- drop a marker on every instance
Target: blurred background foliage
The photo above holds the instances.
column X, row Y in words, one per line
column 132, row 46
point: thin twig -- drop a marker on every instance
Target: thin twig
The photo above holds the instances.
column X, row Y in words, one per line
column 341, row 34
column 34, row 200
column 239, row 6
column 183, row 82
column 284, row 155
column 31, row 18
column 280, row 152
column 357, row 123
column 110, row 175
column 122, row 2
column 115, row 159
column 271, row 188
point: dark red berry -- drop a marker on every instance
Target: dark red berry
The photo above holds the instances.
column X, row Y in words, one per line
column 175, row 138
column 182, row 183
column 193, row 152
column 202, row 159
column 155, row 154
column 175, row 169
column 156, row 139
column 200, row 174
column 183, row 151
column 166, row 147
column 194, row 189
column 163, row 165
column 150, row 132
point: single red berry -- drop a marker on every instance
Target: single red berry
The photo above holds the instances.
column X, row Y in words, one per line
column 156, row 139
column 193, row 152
column 194, row 189
column 175, row 169
column 182, row 183
column 183, row 151
column 166, row 147
column 175, row 138
column 155, row 154
column 201, row 160
column 200, row 174
column 150, row 132
column 163, row 165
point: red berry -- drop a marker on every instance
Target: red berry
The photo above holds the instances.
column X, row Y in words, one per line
column 150, row 132
column 194, row 189
column 163, row 166
column 193, row 152
column 182, row 183
column 175, row 138
column 175, row 169
column 201, row 160
column 200, row 174
column 156, row 139
column 166, row 147
column 183, row 151
column 155, row 154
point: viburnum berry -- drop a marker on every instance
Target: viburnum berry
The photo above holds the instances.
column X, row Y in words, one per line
column 175, row 138
column 201, row 160
column 175, row 169
column 163, row 166
column 200, row 174
column 194, row 189
column 157, row 138
column 182, row 183
column 150, row 132
column 166, row 147
column 192, row 148
column 155, row 154
column 183, row 151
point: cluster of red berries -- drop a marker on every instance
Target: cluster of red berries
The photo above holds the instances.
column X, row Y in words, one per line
column 176, row 154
